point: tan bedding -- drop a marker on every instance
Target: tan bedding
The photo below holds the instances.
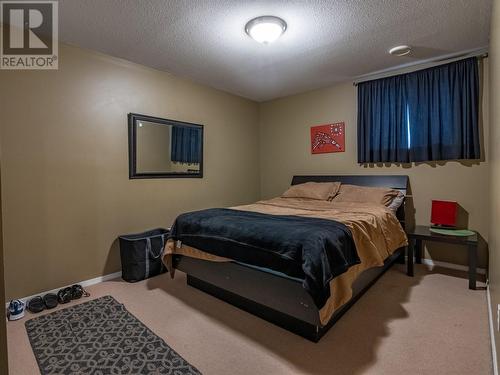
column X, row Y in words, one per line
column 375, row 229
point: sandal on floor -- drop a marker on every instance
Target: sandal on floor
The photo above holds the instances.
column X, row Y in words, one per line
column 36, row 305
column 77, row 292
column 64, row 295
column 50, row 300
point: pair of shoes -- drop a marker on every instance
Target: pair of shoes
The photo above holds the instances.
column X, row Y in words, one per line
column 38, row 304
column 16, row 309
column 51, row 300
column 76, row 291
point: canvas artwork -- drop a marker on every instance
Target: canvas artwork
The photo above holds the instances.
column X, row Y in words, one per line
column 328, row 138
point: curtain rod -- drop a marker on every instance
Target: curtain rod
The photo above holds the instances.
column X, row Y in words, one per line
column 412, row 67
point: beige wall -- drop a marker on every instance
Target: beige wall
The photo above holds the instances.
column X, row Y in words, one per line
column 3, row 329
column 285, row 151
column 66, row 192
column 494, row 219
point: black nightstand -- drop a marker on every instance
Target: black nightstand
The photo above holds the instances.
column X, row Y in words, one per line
column 422, row 233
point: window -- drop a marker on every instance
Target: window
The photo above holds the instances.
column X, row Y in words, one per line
column 430, row 114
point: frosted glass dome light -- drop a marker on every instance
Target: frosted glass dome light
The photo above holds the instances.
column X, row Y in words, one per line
column 265, row 29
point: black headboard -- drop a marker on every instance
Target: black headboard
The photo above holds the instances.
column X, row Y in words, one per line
column 398, row 182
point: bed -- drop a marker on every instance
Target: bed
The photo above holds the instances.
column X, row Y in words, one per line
column 280, row 297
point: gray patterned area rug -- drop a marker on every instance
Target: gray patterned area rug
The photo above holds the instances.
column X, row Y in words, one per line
column 100, row 337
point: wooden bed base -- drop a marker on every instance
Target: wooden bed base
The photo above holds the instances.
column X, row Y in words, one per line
column 277, row 298
column 226, row 288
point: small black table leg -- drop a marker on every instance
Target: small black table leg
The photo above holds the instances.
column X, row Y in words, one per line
column 472, row 266
column 409, row 259
column 418, row 252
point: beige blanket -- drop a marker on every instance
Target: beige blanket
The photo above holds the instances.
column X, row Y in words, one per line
column 375, row 229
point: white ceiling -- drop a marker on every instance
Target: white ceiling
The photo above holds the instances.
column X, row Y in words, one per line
column 326, row 41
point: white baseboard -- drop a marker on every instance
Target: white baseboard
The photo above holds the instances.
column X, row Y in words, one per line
column 85, row 283
column 118, row 274
column 453, row 266
column 492, row 332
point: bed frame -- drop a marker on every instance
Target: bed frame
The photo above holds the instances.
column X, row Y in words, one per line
column 278, row 299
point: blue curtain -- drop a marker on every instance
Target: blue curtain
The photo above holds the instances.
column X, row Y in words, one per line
column 443, row 107
column 426, row 115
column 382, row 119
column 186, row 144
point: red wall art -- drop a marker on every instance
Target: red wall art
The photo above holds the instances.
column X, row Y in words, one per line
column 328, row 138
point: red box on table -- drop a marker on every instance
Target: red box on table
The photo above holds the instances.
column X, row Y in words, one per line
column 444, row 213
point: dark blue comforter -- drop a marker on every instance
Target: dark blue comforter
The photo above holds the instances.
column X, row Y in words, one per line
column 315, row 250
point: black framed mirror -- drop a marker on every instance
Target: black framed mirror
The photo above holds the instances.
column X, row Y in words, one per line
column 163, row 148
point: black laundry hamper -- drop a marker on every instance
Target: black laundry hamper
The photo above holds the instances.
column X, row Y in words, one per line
column 141, row 254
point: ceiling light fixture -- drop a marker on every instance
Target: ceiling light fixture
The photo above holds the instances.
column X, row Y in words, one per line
column 400, row 50
column 265, row 29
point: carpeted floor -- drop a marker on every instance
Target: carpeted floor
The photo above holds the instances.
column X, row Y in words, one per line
column 429, row 324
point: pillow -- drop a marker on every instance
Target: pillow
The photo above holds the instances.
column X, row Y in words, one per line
column 365, row 194
column 313, row 190
column 396, row 202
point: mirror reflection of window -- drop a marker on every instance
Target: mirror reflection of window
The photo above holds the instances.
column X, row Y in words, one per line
column 163, row 148
column 185, row 146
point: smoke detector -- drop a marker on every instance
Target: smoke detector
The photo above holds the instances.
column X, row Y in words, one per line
column 402, row 50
